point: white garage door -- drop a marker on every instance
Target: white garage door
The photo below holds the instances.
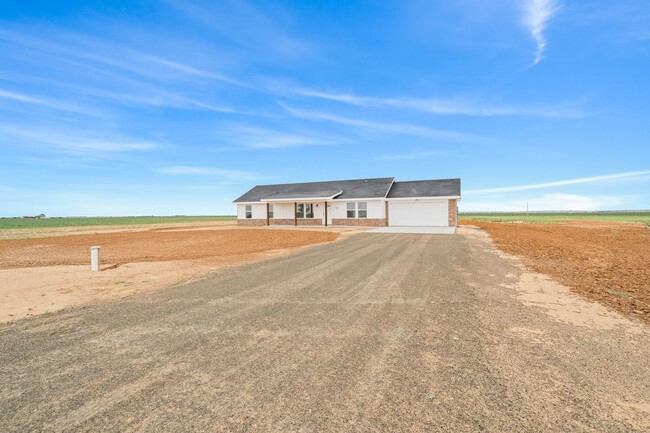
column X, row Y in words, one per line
column 418, row 213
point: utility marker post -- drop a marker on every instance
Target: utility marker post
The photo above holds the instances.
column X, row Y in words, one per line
column 94, row 259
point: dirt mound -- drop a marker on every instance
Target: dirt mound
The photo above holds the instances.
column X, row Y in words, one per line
column 608, row 263
column 151, row 245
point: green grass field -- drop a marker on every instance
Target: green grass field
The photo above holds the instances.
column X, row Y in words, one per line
column 28, row 223
column 643, row 217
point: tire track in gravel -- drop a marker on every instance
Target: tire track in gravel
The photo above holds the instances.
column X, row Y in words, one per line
column 377, row 332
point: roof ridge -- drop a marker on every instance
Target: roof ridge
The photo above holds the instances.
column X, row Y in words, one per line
column 426, row 180
column 328, row 181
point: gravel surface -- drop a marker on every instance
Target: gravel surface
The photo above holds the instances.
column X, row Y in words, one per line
column 378, row 332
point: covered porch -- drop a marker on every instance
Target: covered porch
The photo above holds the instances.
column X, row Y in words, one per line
column 302, row 211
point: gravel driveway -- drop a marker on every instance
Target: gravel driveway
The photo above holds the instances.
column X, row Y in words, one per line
column 378, row 332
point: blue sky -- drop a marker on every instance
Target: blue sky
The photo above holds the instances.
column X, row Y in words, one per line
column 179, row 106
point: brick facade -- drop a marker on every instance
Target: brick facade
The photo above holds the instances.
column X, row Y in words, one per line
column 310, row 222
column 453, row 213
column 251, row 222
column 361, row 222
column 281, row 221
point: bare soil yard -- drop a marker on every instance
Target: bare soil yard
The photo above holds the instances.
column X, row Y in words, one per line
column 606, row 262
column 151, row 246
column 41, row 275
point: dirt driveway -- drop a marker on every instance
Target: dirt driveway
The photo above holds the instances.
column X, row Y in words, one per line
column 378, row 332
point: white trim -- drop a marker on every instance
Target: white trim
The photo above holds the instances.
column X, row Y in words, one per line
column 358, row 199
column 449, row 197
column 299, row 199
column 389, row 188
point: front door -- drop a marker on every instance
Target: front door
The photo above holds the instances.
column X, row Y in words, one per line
column 328, row 207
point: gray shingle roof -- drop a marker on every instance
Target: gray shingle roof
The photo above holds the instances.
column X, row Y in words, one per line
column 357, row 188
column 425, row 188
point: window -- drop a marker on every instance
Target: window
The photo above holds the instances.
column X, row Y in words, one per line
column 305, row 210
column 362, row 206
column 352, row 213
column 249, row 211
column 357, row 210
column 270, row 211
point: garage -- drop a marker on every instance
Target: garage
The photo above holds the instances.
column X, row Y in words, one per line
column 418, row 213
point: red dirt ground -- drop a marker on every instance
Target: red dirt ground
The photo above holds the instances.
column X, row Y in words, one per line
column 152, row 246
column 605, row 262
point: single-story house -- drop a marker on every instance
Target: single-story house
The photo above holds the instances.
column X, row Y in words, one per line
column 358, row 202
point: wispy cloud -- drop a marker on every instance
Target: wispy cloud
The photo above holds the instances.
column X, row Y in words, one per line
column 126, row 75
column 395, row 128
column 415, row 155
column 576, row 181
column 262, row 29
column 79, row 142
column 547, row 202
column 536, row 14
column 453, row 106
column 27, row 99
column 209, row 171
column 251, row 137
column 197, row 72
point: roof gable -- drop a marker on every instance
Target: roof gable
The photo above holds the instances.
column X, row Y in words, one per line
column 426, row 188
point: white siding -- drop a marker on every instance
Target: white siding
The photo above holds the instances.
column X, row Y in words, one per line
column 319, row 211
column 259, row 211
column 377, row 209
column 283, row 210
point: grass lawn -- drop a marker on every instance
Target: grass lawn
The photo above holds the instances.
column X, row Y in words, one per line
column 643, row 216
column 29, row 223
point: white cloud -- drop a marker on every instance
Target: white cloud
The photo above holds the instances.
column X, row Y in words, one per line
column 546, row 202
column 209, row 171
column 424, row 154
column 78, row 142
column 395, row 128
column 248, row 137
column 536, row 14
column 14, row 96
column 195, row 71
column 452, row 106
column 559, row 183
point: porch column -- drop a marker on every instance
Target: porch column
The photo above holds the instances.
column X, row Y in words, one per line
column 325, row 214
column 268, row 220
column 295, row 213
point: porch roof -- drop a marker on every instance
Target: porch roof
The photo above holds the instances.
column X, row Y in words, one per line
column 300, row 198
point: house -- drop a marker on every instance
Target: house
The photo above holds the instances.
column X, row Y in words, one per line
column 359, row 202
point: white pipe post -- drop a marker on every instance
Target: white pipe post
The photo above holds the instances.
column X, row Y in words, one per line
column 94, row 259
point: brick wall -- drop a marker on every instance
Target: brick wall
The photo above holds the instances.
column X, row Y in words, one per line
column 310, row 222
column 453, row 213
column 370, row 222
column 251, row 222
column 281, row 221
